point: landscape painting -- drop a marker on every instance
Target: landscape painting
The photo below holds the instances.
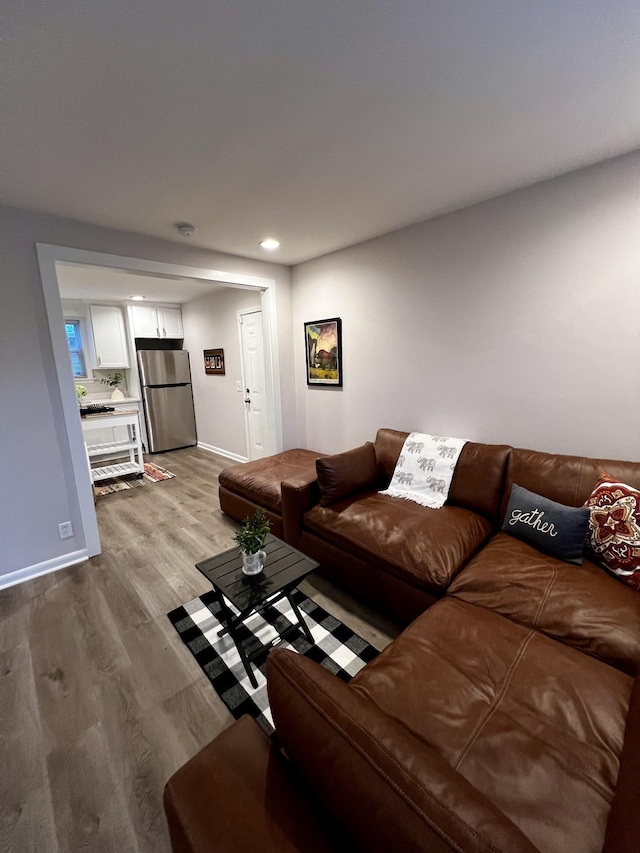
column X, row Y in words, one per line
column 323, row 340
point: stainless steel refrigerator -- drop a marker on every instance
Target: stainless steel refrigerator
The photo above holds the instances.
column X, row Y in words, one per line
column 167, row 399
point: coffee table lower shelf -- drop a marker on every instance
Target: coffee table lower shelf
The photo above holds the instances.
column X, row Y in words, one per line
column 230, row 622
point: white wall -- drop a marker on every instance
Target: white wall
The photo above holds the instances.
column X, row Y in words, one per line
column 36, row 483
column 209, row 323
column 516, row 320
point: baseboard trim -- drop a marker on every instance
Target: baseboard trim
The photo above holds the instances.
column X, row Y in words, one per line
column 226, row 453
column 44, row 568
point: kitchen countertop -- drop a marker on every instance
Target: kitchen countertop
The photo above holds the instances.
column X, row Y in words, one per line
column 118, row 413
column 107, row 401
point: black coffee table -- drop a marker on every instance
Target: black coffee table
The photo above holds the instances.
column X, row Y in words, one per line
column 284, row 568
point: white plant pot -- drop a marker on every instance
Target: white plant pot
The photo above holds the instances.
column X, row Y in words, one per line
column 253, row 564
column 117, row 394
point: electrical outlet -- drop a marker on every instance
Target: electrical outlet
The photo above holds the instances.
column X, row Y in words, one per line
column 66, row 530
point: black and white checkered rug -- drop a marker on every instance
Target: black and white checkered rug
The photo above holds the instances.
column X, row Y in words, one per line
column 335, row 646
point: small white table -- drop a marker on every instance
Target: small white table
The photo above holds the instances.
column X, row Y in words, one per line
column 131, row 445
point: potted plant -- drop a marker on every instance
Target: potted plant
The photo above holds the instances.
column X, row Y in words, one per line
column 251, row 538
column 113, row 380
column 81, row 392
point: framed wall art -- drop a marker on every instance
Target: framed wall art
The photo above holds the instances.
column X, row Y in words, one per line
column 323, row 345
column 214, row 362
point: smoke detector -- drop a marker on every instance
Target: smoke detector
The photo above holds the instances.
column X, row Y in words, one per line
column 186, row 229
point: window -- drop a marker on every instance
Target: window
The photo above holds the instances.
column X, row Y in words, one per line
column 76, row 350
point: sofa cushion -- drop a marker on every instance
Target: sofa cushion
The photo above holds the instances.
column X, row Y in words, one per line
column 260, row 480
column 552, row 527
column 477, row 481
column 535, row 725
column 579, row 605
column 346, row 473
column 614, row 534
column 425, row 547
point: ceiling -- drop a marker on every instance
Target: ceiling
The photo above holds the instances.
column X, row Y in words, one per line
column 322, row 123
column 80, row 281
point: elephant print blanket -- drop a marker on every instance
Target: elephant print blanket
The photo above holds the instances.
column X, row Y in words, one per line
column 424, row 469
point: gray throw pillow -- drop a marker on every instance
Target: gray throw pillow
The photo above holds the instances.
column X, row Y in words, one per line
column 552, row 527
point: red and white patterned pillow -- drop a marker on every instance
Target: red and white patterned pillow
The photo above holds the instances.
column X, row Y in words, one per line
column 614, row 528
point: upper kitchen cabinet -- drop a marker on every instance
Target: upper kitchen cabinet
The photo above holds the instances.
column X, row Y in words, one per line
column 109, row 337
column 155, row 322
column 171, row 325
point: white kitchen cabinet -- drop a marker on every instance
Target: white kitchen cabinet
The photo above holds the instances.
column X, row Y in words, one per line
column 171, row 325
column 153, row 322
column 145, row 321
column 109, row 339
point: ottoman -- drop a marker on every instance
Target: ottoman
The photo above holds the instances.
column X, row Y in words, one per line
column 246, row 487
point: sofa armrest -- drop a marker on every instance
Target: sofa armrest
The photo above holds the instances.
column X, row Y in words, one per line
column 386, row 787
column 239, row 795
column 298, row 495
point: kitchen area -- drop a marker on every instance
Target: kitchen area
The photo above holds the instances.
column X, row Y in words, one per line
column 133, row 379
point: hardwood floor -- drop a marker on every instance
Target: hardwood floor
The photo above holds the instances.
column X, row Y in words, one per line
column 100, row 702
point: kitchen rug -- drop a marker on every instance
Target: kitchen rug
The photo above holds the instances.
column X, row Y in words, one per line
column 336, row 647
column 152, row 474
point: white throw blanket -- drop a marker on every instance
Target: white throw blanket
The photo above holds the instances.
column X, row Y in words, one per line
column 424, row 469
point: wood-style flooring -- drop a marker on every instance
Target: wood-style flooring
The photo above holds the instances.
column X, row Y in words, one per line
column 100, row 702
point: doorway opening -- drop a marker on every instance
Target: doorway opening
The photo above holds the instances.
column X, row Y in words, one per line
column 52, row 259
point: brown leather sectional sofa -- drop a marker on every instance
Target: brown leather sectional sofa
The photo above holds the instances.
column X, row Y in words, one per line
column 506, row 716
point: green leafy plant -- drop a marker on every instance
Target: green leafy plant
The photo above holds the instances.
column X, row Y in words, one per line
column 253, row 532
column 113, row 380
column 81, row 391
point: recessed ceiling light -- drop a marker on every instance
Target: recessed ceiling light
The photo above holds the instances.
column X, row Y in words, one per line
column 137, row 298
column 269, row 244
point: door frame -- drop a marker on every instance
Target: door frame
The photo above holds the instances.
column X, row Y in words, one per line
column 242, row 312
column 48, row 256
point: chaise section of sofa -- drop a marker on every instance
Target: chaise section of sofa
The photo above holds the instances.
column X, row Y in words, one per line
column 470, row 733
column 389, row 789
column 248, row 486
column 394, row 553
column 507, row 716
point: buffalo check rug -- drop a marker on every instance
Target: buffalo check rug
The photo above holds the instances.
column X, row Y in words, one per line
column 335, row 646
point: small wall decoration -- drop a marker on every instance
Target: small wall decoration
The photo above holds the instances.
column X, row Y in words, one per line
column 214, row 362
column 323, row 341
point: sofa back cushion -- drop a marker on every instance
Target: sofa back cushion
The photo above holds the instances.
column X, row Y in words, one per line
column 568, row 480
column 477, row 481
column 386, row 787
column 344, row 474
column 623, row 826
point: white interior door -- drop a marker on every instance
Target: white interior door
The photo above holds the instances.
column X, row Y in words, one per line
column 255, row 397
